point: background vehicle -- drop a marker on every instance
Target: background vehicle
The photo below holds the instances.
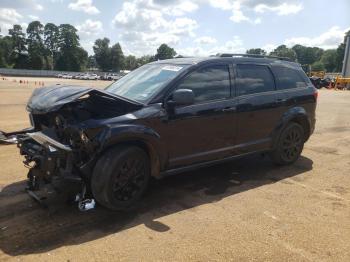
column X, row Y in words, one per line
column 164, row 118
column 92, row 77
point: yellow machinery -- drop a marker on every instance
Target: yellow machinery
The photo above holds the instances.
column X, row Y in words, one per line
column 320, row 74
column 342, row 82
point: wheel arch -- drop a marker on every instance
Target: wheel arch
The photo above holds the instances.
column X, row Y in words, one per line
column 143, row 137
column 155, row 159
column 296, row 115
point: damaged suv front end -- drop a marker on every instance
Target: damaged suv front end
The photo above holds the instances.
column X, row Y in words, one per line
column 68, row 131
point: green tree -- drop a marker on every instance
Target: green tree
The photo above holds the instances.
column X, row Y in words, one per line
column 117, row 57
column 145, row 60
column 329, row 60
column 91, row 62
column 165, row 52
column 307, row 55
column 103, row 54
column 284, row 51
column 71, row 56
column 51, row 36
column 19, row 56
column 5, row 51
column 256, row 51
column 130, row 62
column 317, row 66
column 36, row 50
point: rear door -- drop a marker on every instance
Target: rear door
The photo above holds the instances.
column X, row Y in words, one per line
column 205, row 130
column 258, row 109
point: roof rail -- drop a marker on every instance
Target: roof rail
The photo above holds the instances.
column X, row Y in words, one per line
column 254, row 56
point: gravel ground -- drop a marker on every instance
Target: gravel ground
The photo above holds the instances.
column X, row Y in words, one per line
column 238, row 211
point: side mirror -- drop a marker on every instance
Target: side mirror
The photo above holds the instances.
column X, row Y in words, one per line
column 181, row 97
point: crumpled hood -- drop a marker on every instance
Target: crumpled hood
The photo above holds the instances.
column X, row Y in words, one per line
column 48, row 99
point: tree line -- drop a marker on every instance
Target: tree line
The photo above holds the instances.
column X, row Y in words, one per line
column 311, row 58
column 43, row 47
column 53, row 47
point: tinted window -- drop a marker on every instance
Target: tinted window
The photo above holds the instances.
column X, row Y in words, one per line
column 145, row 81
column 209, row 83
column 253, row 79
column 288, row 78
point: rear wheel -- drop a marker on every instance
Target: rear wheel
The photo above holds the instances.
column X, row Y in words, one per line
column 120, row 177
column 290, row 145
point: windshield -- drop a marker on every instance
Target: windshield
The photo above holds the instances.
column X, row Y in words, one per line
column 144, row 82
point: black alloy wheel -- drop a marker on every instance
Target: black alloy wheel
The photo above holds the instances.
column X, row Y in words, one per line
column 120, row 177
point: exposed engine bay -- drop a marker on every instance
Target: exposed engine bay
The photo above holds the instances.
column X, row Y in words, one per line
column 66, row 135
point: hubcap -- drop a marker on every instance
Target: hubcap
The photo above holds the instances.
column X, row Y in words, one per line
column 130, row 179
column 291, row 145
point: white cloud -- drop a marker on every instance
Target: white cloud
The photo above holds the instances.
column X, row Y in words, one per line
column 222, row 4
column 240, row 8
column 24, row 26
column 85, row 6
column 21, row 4
column 269, row 47
column 38, row 7
column 8, row 17
column 33, row 17
column 329, row 39
column 144, row 25
column 205, row 40
column 283, row 9
column 235, row 45
column 90, row 28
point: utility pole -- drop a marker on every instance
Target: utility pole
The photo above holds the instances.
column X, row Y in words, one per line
column 346, row 62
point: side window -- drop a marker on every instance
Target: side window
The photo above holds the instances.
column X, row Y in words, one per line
column 208, row 83
column 252, row 79
column 288, row 78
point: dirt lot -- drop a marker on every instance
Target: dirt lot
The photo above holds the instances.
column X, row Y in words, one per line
column 237, row 211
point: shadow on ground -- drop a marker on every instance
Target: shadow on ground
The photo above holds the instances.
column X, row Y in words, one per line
column 26, row 228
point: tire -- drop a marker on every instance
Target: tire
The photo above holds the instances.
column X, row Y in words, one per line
column 120, row 177
column 289, row 146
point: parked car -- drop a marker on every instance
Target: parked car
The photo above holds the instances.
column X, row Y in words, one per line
column 84, row 76
column 78, row 76
column 163, row 118
column 92, row 77
column 110, row 77
column 67, row 76
column 62, row 75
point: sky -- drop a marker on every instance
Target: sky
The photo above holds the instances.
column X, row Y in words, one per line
column 191, row 27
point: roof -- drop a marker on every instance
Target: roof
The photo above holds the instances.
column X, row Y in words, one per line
column 199, row 60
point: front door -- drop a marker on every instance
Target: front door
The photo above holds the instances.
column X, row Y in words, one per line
column 205, row 130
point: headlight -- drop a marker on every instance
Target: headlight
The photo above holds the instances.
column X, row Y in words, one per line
column 84, row 138
column 59, row 121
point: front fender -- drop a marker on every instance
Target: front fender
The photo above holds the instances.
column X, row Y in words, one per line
column 124, row 133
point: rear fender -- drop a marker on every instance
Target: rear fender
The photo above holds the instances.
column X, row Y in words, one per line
column 295, row 114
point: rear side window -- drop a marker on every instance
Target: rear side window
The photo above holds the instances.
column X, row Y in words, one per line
column 208, row 83
column 288, row 78
column 252, row 79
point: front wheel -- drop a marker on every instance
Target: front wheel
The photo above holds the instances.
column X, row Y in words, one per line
column 290, row 145
column 120, row 177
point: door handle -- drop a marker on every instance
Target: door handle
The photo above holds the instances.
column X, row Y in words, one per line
column 229, row 109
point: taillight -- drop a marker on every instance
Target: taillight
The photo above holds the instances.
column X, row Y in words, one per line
column 316, row 95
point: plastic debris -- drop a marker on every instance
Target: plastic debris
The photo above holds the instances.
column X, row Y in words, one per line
column 86, row 204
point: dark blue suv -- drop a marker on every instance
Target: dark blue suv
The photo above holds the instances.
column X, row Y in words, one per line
column 164, row 118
